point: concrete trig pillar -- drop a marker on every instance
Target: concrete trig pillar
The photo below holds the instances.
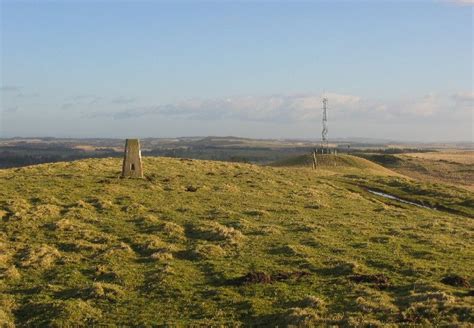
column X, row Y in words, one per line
column 132, row 160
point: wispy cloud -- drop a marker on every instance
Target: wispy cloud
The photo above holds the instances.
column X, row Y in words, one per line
column 26, row 95
column 67, row 106
column 86, row 99
column 464, row 96
column 123, row 100
column 81, row 101
column 10, row 88
column 293, row 108
column 461, row 2
column 12, row 109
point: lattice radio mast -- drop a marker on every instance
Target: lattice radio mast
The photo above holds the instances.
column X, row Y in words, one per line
column 324, row 133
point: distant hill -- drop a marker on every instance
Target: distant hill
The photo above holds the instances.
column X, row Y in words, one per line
column 206, row 243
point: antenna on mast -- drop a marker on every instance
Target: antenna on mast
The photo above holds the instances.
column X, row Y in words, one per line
column 324, row 133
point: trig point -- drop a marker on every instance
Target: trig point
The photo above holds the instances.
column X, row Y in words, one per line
column 132, row 160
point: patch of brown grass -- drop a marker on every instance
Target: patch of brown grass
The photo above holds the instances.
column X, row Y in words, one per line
column 162, row 255
column 46, row 210
column 106, row 291
column 173, row 229
column 6, row 316
column 74, row 313
column 10, row 272
column 41, row 257
column 208, row 251
column 214, row 231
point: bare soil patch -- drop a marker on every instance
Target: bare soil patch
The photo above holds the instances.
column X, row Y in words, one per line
column 380, row 280
column 456, row 281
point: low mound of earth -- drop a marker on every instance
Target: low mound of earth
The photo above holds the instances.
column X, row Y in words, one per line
column 213, row 243
column 336, row 163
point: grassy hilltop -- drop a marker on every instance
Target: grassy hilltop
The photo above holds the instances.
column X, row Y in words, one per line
column 210, row 243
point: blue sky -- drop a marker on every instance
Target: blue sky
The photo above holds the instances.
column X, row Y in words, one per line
column 400, row 70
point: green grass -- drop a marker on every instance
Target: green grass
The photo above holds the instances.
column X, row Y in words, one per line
column 80, row 246
column 336, row 163
column 447, row 167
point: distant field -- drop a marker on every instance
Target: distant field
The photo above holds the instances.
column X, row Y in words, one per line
column 445, row 166
column 456, row 156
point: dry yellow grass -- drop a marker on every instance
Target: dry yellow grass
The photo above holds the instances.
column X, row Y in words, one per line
column 455, row 167
column 457, row 156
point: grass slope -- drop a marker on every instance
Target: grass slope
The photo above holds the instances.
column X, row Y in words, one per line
column 449, row 167
column 215, row 243
column 335, row 163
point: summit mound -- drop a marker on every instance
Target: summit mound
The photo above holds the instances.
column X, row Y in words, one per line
column 339, row 163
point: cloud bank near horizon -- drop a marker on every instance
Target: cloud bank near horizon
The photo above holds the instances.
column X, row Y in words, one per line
column 432, row 116
column 283, row 108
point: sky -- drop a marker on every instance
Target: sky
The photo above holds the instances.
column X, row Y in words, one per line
column 398, row 70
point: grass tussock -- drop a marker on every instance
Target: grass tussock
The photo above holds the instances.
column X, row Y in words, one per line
column 301, row 317
column 106, row 291
column 439, row 308
column 73, row 313
column 41, row 257
column 173, row 230
column 46, row 210
column 63, row 225
column 252, row 246
column 7, row 319
column 162, row 254
column 374, row 301
column 10, row 273
column 213, row 231
column 314, row 302
column 208, row 251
